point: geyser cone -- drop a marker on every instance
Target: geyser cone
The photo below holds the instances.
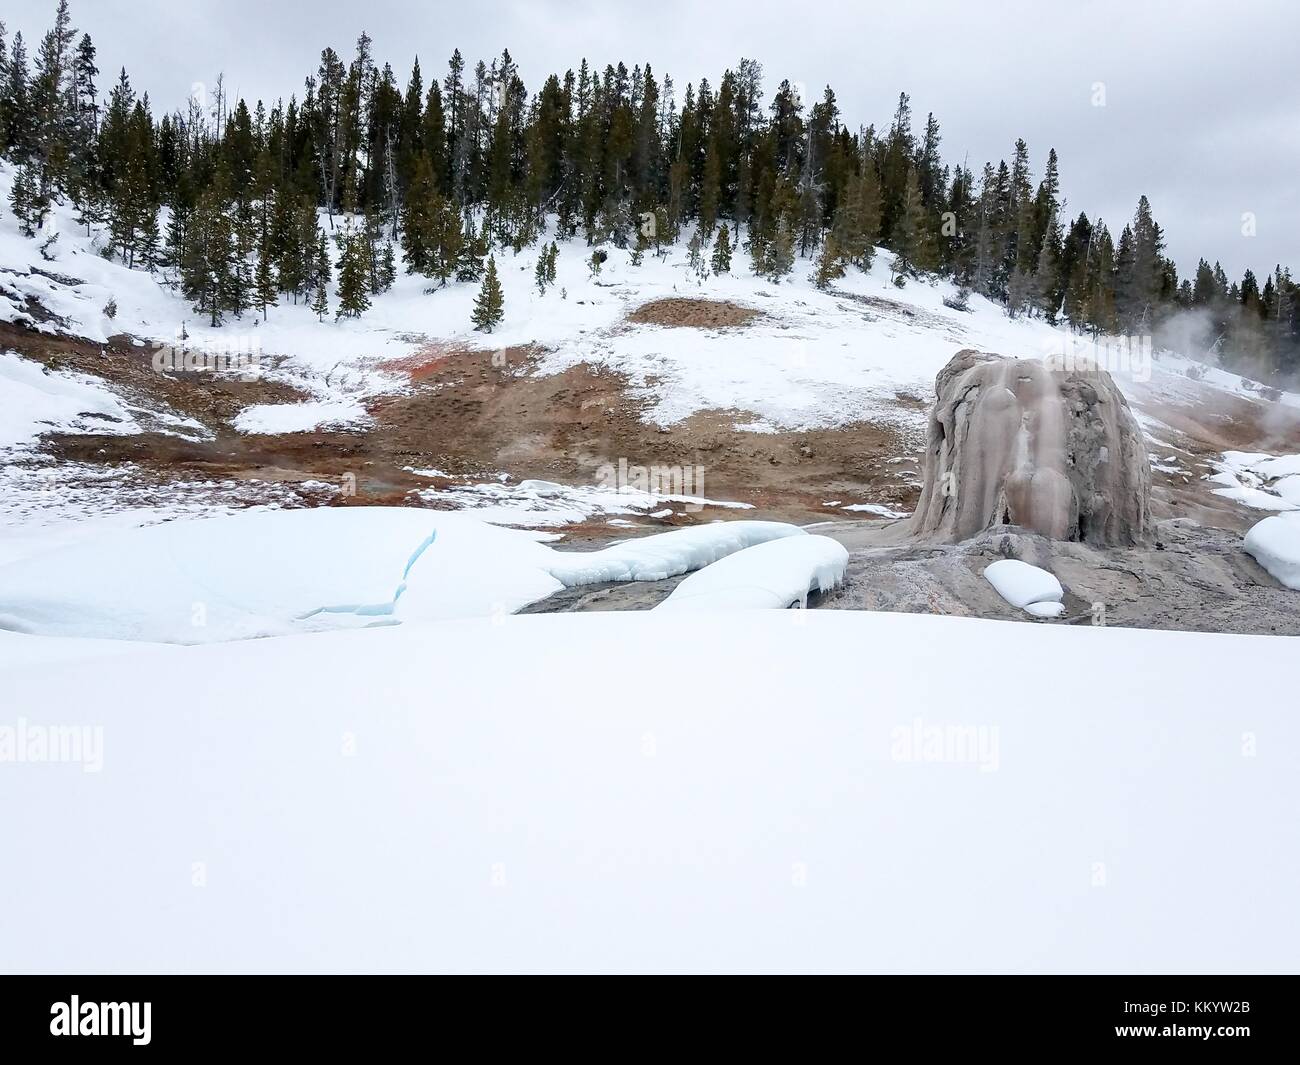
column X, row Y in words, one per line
column 1019, row 442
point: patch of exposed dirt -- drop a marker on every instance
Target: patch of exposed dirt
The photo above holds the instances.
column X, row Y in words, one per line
column 682, row 312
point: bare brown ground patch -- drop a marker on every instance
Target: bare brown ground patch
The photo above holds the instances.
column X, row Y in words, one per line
column 681, row 312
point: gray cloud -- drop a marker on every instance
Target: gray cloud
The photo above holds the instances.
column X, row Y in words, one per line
column 1202, row 105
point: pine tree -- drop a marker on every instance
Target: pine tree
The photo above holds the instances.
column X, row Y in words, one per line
column 489, row 307
column 30, row 205
column 320, row 304
column 913, row 245
column 694, row 252
column 830, row 263
column 469, row 248
column 208, row 263
column 857, row 218
column 353, row 294
column 386, row 270
column 780, row 260
column 265, row 284
column 1045, row 296
column 422, row 221
column 540, row 278
column 722, row 252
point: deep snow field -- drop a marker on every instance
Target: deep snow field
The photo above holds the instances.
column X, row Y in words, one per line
column 242, row 731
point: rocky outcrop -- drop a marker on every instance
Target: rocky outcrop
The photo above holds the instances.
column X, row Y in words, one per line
column 1020, row 442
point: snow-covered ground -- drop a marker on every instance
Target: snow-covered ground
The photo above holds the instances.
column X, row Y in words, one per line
column 789, row 791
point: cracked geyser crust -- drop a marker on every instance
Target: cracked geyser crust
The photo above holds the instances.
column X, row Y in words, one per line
column 1020, row 442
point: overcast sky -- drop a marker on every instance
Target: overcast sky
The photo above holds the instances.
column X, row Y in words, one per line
column 1201, row 100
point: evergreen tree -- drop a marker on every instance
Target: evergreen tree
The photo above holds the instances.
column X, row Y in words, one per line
column 29, row 203
column 353, row 294
column 695, row 252
column 386, row 270
column 209, row 263
column 830, row 263
column 540, row 277
column 422, row 221
column 857, row 218
column 914, row 250
column 489, row 307
column 780, row 259
column 722, row 252
column 266, row 287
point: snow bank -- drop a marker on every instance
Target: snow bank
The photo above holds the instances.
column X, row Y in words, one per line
column 268, row 573
column 1023, row 585
column 222, row 578
column 1275, row 544
column 654, row 558
column 774, row 575
column 660, row 792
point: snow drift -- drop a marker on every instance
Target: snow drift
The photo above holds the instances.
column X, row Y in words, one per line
column 270, row 573
column 856, row 792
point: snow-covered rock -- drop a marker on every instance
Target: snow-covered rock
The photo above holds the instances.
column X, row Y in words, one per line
column 655, row 558
column 1023, row 585
column 1045, row 609
column 1275, row 544
column 774, row 575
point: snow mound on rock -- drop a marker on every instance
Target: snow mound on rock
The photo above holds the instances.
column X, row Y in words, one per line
column 655, row 558
column 774, row 575
column 1275, row 544
column 1026, row 587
